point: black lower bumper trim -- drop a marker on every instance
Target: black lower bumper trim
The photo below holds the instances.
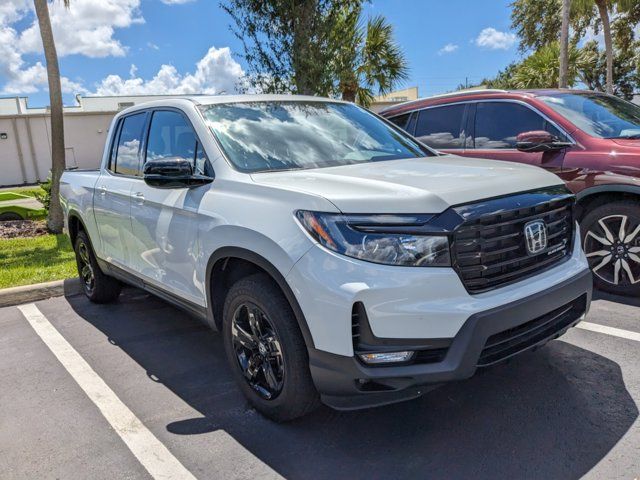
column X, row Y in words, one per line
column 345, row 383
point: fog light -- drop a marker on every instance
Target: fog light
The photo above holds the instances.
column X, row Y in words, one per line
column 388, row 357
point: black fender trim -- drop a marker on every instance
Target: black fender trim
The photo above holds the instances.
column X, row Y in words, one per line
column 612, row 188
column 74, row 214
column 267, row 266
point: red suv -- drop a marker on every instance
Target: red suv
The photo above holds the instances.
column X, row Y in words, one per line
column 589, row 139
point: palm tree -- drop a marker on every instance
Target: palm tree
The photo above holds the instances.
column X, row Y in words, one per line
column 368, row 59
column 55, row 220
column 542, row 68
column 564, row 44
column 604, row 6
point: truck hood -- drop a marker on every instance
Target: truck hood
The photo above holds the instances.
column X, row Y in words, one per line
column 421, row 185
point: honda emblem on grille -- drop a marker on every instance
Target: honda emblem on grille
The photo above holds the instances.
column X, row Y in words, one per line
column 535, row 234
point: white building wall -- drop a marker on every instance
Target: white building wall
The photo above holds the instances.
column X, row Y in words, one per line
column 25, row 153
column 23, row 161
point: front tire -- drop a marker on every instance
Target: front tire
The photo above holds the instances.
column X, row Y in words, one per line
column 98, row 287
column 266, row 351
column 611, row 242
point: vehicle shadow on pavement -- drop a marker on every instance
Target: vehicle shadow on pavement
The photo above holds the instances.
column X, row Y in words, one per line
column 554, row 413
column 631, row 301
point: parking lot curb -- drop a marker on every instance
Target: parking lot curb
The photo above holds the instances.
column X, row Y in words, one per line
column 39, row 291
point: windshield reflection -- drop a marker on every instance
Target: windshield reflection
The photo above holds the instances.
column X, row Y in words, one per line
column 599, row 115
column 284, row 135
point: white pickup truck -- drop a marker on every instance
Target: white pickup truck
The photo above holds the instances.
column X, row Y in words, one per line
column 341, row 260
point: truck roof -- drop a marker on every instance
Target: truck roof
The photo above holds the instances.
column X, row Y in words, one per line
column 213, row 99
column 219, row 99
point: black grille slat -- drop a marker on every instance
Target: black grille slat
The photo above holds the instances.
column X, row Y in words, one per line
column 505, row 263
column 511, row 275
column 513, row 336
column 516, row 220
column 509, row 342
column 489, row 248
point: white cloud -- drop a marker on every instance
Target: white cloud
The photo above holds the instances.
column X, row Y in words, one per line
column 153, row 46
column 448, row 48
column 20, row 78
column 13, row 10
column 495, row 39
column 216, row 72
column 86, row 27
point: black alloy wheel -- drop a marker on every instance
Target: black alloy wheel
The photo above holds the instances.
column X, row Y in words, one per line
column 85, row 269
column 258, row 350
column 98, row 287
column 266, row 349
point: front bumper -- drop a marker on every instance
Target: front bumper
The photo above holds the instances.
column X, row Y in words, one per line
column 345, row 383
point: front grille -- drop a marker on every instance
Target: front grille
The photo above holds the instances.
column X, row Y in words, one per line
column 489, row 248
column 514, row 340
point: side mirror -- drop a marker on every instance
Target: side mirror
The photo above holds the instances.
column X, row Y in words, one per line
column 172, row 172
column 539, row 141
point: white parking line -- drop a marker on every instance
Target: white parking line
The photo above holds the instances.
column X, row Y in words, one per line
column 149, row 451
column 616, row 332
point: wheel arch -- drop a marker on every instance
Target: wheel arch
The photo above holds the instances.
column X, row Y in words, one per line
column 220, row 271
column 75, row 224
column 602, row 193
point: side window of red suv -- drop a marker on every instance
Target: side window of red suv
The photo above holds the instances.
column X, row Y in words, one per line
column 497, row 124
column 441, row 127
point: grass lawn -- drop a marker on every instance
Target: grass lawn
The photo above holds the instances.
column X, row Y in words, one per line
column 24, row 261
column 29, row 190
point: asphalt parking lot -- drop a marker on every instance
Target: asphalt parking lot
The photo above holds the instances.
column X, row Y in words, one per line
column 140, row 390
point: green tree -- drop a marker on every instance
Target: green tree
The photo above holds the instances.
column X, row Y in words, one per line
column 626, row 71
column 542, row 68
column 55, row 218
column 539, row 22
column 605, row 8
column 287, row 42
column 368, row 60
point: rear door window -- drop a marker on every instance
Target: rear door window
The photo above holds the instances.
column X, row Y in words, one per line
column 441, row 127
column 128, row 149
column 497, row 124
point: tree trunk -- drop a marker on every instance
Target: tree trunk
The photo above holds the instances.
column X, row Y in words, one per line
column 349, row 95
column 608, row 47
column 564, row 45
column 55, row 220
column 302, row 59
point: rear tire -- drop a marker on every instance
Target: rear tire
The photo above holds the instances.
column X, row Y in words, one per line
column 98, row 287
column 611, row 241
column 266, row 351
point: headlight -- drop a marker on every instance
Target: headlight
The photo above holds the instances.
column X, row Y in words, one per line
column 386, row 239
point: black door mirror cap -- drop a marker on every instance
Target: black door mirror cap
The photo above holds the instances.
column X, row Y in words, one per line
column 172, row 172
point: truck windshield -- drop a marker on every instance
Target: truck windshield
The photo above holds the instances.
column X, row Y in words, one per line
column 602, row 116
column 285, row 135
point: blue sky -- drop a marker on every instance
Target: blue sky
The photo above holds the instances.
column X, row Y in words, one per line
column 171, row 46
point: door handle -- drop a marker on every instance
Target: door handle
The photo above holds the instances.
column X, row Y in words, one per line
column 103, row 190
column 139, row 196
